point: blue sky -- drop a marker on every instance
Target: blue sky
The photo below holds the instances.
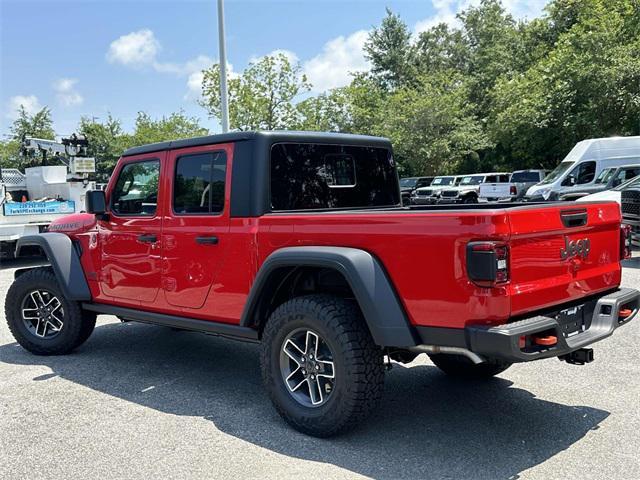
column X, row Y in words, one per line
column 93, row 57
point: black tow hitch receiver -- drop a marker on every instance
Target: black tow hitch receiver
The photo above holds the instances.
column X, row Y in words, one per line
column 578, row 357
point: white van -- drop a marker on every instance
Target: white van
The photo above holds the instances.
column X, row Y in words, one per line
column 584, row 163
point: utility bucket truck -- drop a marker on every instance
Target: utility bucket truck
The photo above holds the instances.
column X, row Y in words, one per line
column 30, row 201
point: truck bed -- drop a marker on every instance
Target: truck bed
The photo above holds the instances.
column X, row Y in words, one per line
column 423, row 249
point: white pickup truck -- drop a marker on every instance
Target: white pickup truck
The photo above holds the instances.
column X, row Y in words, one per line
column 513, row 188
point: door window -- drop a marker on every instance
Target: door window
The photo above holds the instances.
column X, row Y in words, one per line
column 199, row 183
column 583, row 173
column 136, row 191
column 624, row 175
column 605, row 175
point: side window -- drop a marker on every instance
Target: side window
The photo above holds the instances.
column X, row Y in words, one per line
column 136, row 191
column 631, row 173
column 583, row 173
column 199, row 183
column 622, row 176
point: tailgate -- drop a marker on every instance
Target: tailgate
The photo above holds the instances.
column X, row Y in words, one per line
column 560, row 253
column 494, row 190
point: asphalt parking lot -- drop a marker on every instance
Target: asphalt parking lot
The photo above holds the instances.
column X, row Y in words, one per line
column 140, row 401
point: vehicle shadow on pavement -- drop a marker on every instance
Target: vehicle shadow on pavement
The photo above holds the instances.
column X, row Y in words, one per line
column 428, row 425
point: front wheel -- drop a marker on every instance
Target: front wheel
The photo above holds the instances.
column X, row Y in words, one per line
column 41, row 319
column 320, row 366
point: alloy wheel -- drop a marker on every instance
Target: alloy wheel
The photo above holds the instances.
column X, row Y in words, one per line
column 307, row 368
column 42, row 313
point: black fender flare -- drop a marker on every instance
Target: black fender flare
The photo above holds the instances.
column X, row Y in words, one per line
column 64, row 260
column 373, row 290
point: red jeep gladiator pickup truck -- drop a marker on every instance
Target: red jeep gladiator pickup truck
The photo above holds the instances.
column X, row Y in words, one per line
column 299, row 241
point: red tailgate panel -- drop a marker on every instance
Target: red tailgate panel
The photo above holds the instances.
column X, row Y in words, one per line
column 540, row 277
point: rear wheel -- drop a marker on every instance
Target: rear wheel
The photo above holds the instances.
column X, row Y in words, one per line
column 41, row 319
column 459, row 366
column 320, row 365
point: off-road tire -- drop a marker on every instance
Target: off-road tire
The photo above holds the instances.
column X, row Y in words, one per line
column 77, row 327
column 470, row 199
column 459, row 366
column 358, row 364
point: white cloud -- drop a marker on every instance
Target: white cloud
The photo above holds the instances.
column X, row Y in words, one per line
column 136, row 49
column 194, row 81
column 66, row 94
column 446, row 10
column 140, row 50
column 194, row 86
column 30, row 103
column 187, row 68
column 339, row 58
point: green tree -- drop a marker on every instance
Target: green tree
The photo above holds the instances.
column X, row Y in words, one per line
column 173, row 127
column 366, row 105
column 107, row 141
column 494, row 46
column 432, row 127
column 327, row 112
column 38, row 125
column 442, row 49
column 262, row 97
column 588, row 85
column 391, row 52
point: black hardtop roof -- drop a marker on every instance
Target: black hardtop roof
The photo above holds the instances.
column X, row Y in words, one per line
column 269, row 136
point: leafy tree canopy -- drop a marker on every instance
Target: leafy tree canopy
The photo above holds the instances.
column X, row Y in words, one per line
column 261, row 97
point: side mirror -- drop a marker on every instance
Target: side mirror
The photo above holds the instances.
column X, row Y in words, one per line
column 571, row 180
column 96, row 202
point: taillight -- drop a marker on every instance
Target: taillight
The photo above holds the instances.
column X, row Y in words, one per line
column 625, row 241
column 488, row 263
column 513, row 190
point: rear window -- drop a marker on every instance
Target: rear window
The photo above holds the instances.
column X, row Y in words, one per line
column 525, row 177
column 311, row 176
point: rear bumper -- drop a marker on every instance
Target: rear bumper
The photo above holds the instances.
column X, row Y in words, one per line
column 600, row 317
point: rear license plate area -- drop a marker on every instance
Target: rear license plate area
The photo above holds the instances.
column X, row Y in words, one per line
column 571, row 320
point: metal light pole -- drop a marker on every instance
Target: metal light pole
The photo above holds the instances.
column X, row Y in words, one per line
column 224, row 100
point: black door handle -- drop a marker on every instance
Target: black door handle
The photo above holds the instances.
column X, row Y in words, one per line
column 207, row 240
column 148, row 238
